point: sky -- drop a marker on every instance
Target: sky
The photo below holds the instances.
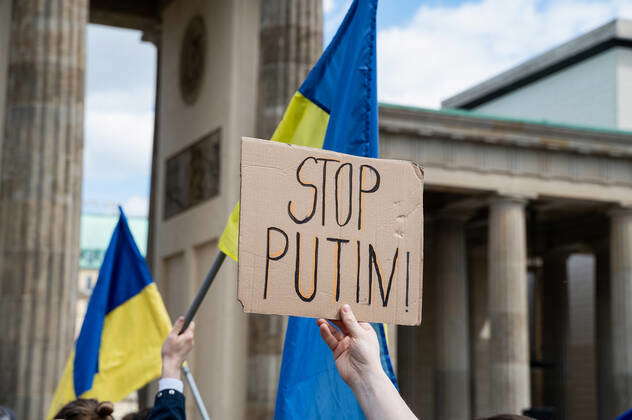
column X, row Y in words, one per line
column 119, row 118
column 428, row 50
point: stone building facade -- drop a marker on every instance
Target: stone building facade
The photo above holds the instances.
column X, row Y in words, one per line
column 509, row 202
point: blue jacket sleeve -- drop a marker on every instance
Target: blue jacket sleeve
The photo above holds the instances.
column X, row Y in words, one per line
column 168, row 405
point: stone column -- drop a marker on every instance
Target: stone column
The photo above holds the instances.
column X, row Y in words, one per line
column 5, row 27
column 452, row 379
column 508, row 310
column 581, row 353
column 479, row 332
column 291, row 42
column 621, row 309
column 416, row 346
column 40, row 199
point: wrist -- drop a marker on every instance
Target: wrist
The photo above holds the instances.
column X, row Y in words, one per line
column 171, row 369
column 370, row 381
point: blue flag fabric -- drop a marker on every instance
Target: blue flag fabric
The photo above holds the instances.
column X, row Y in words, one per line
column 343, row 84
column 309, row 385
column 625, row 416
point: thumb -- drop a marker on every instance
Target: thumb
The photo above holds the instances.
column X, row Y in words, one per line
column 178, row 325
column 190, row 331
column 350, row 322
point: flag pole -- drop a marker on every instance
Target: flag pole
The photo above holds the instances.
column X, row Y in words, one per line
column 201, row 294
column 196, row 393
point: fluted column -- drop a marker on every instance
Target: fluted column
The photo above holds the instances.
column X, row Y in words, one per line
column 452, row 379
column 40, row 199
column 621, row 309
column 417, row 345
column 508, row 310
column 291, row 42
column 479, row 332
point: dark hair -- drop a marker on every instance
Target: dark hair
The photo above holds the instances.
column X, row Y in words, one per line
column 86, row 409
column 138, row 415
column 506, row 417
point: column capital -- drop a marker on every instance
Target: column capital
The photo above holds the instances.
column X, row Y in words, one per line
column 508, row 199
column 620, row 211
column 152, row 34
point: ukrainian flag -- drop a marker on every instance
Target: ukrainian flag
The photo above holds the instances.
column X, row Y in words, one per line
column 335, row 109
column 118, row 348
column 336, row 106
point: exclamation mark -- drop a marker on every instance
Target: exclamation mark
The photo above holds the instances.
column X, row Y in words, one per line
column 358, row 276
column 407, row 276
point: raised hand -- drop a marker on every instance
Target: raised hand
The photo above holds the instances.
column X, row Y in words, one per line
column 176, row 348
column 356, row 350
column 355, row 346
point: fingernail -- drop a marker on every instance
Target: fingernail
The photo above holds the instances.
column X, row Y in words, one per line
column 345, row 308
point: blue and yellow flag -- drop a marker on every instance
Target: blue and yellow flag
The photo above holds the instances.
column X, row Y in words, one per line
column 335, row 109
column 118, row 348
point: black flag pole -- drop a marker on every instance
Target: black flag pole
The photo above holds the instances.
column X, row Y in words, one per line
column 201, row 294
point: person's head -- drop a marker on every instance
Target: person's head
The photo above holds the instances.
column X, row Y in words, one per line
column 6, row 413
column 506, row 417
column 138, row 415
column 86, row 409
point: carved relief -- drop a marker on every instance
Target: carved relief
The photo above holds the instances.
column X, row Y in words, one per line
column 192, row 60
column 193, row 175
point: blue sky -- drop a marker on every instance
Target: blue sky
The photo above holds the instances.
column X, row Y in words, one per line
column 390, row 12
column 427, row 50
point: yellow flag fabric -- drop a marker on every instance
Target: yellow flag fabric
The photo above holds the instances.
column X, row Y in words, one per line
column 304, row 124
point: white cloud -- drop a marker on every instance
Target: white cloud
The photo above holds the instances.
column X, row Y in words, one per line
column 120, row 144
column 137, row 206
column 446, row 49
column 328, row 5
column 136, row 100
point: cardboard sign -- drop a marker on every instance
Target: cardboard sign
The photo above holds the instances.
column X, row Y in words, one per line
column 319, row 229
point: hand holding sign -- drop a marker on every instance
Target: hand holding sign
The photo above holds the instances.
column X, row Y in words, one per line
column 357, row 353
column 318, row 228
column 354, row 345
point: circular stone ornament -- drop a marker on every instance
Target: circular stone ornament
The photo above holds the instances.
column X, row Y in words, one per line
column 192, row 60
